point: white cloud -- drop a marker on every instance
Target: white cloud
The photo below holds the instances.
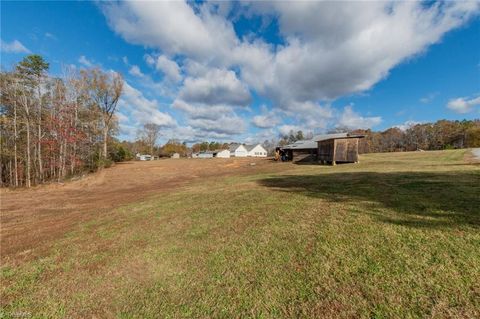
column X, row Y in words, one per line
column 141, row 109
column 168, row 67
column 408, row 124
column 352, row 120
column 202, row 111
column 329, row 50
column 286, row 129
column 428, row 98
column 463, row 105
column 13, row 47
column 268, row 119
column 224, row 125
column 86, row 62
column 172, row 26
column 50, row 36
column 217, row 86
column 135, row 71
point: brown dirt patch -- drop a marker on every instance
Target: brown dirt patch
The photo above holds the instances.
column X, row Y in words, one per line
column 31, row 219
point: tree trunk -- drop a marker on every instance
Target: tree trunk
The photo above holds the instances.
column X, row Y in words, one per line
column 40, row 165
column 28, row 183
column 15, row 141
column 105, row 137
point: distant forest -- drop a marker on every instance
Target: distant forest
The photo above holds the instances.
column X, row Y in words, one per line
column 440, row 135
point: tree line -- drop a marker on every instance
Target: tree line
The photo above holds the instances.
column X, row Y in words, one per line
column 53, row 127
column 443, row 134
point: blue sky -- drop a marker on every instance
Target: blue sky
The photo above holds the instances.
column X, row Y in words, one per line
column 232, row 71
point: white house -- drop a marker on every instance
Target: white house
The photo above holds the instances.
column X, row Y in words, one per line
column 238, row 150
column 175, row 155
column 256, row 150
column 223, row 154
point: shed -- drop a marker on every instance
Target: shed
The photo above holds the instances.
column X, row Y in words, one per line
column 327, row 148
column 175, row 155
column 206, row 154
column 144, row 157
column 340, row 149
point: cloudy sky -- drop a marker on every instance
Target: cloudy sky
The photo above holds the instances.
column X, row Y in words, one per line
column 247, row 71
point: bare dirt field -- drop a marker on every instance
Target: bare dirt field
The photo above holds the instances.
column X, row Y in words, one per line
column 31, row 219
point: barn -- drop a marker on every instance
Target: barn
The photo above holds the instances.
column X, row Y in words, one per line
column 327, row 148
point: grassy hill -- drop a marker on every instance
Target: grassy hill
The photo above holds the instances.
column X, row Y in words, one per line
column 397, row 235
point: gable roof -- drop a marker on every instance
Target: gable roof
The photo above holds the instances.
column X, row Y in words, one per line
column 250, row 147
column 233, row 147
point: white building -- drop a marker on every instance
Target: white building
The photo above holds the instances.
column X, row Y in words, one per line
column 144, row 157
column 223, row 154
column 175, row 155
column 205, row 154
column 256, row 150
column 238, row 150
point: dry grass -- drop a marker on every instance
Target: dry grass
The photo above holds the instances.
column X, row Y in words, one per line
column 396, row 236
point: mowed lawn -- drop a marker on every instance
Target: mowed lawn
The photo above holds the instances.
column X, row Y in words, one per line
column 396, row 236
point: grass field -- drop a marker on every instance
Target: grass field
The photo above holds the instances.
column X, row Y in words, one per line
column 396, row 236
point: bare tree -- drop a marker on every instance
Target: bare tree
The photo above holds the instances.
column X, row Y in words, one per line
column 149, row 135
column 104, row 90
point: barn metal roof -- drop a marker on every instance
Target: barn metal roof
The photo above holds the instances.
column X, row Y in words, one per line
column 329, row 136
column 312, row 144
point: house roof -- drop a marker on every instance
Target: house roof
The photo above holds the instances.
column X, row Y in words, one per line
column 250, row 147
column 234, row 146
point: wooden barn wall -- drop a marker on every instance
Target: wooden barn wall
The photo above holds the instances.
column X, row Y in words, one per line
column 340, row 150
column 346, row 150
column 325, row 150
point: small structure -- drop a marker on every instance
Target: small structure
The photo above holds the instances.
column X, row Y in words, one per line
column 328, row 148
column 238, row 150
column 223, row 154
column 206, row 154
column 143, row 157
column 256, row 150
column 175, row 155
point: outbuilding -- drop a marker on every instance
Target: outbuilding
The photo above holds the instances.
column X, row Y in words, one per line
column 223, row 154
column 327, row 148
column 175, row 155
column 144, row 157
column 206, row 154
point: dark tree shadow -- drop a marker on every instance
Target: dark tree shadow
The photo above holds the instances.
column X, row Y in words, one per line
column 419, row 199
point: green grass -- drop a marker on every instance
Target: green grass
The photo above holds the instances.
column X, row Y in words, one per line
column 396, row 236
